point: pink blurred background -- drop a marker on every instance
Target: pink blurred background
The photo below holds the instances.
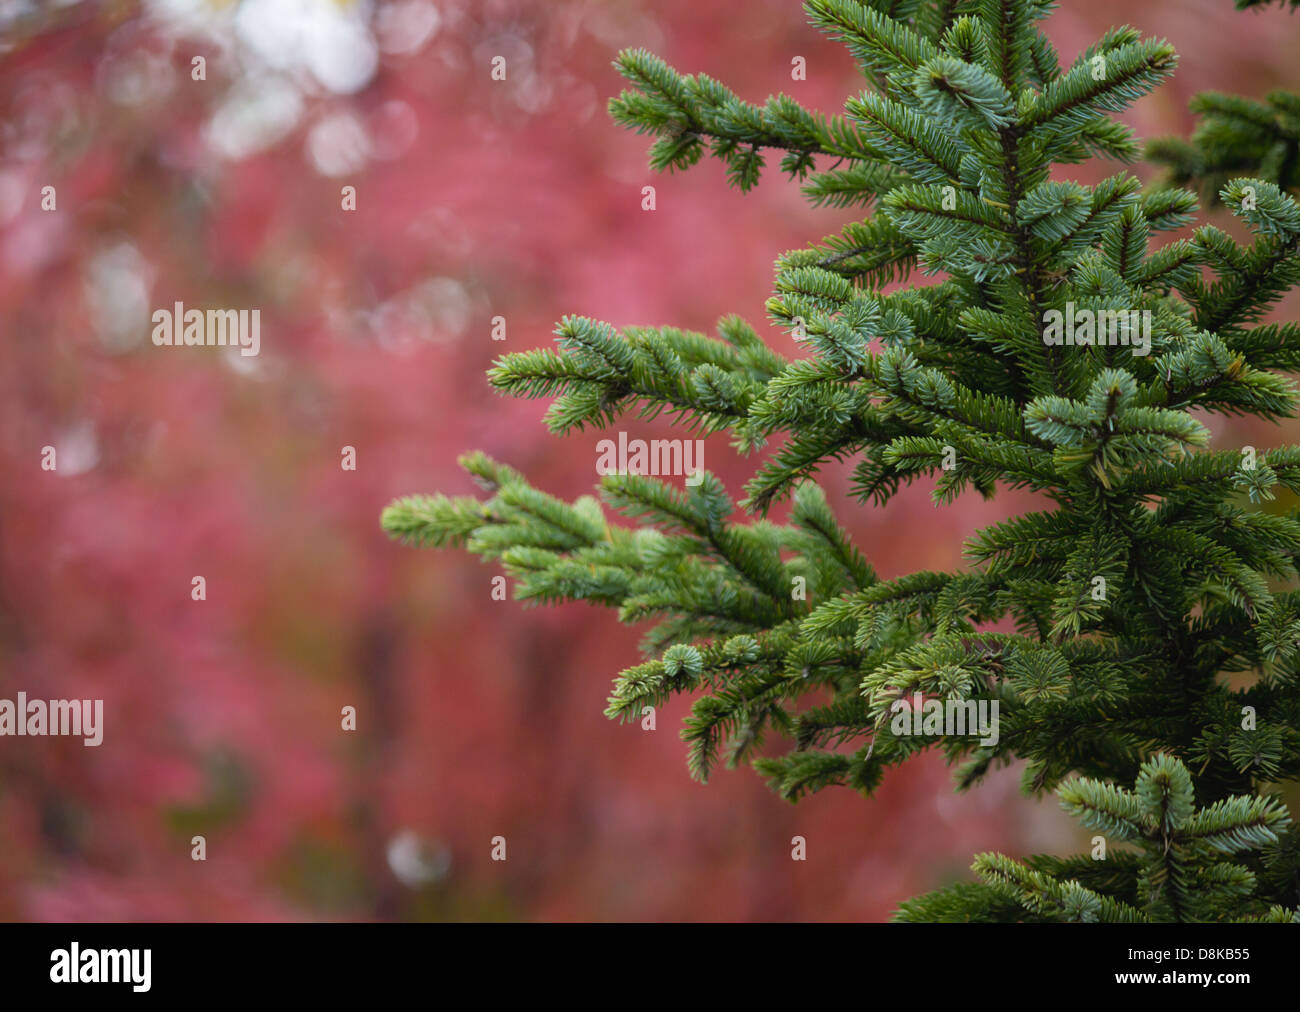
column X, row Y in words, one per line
column 476, row 718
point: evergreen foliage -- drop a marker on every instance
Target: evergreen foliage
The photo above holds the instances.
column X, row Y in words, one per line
column 1157, row 568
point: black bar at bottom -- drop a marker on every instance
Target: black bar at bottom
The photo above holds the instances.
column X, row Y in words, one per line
column 338, row 961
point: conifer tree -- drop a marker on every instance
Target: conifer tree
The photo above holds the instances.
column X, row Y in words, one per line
column 1159, row 566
